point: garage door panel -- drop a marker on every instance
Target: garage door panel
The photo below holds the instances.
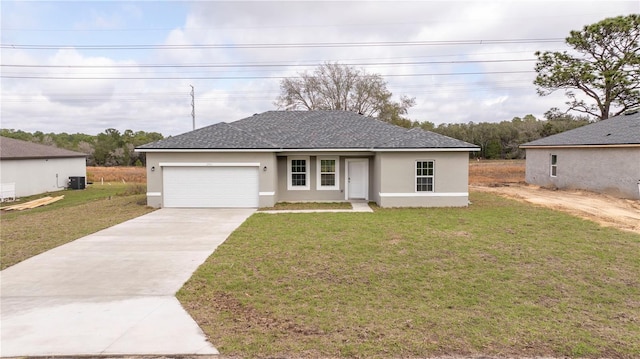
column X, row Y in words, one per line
column 210, row 186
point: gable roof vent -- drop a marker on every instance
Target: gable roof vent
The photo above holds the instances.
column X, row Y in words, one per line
column 632, row 111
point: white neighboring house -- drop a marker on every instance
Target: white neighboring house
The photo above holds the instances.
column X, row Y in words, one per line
column 31, row 168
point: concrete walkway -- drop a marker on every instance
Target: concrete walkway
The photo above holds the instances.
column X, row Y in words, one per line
column 358, row 206
column 112, row 292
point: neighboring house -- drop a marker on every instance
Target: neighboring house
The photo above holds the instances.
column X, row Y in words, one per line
column 601, row 157
column 290, row 156
column 34, row 168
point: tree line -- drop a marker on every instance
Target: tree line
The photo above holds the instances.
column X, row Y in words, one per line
column 109, row 148
column 501, row 140
column 498, row 140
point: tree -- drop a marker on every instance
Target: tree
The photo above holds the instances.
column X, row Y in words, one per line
column 333, row 86
column 110, row 148
column 87, row 147
column 605, row 67
column 105, row 145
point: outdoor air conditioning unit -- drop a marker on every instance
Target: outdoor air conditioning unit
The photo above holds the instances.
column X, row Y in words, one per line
column 76, row 182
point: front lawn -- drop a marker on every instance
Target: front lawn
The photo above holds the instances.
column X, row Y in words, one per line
column 24, row 234
column 498, row 278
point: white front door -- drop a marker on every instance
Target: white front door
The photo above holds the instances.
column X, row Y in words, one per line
column 357, row 178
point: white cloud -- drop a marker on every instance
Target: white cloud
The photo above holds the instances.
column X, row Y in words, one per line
column 111, row 97
column 81, row 89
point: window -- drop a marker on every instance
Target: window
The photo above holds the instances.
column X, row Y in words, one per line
column 424, row 176
column 327, row 173
column 298, row 173
column 554, row 165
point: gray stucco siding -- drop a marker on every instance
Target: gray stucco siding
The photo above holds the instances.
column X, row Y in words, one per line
column 284, row 194
column 430, row 201
column 391, row 176
column 397, row 183
column 612, row 170
column 376, row 173
column 267, row 179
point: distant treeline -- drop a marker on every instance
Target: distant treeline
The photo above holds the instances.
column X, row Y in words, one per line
column 109, row 148
column 500, row 140
column 497, row 140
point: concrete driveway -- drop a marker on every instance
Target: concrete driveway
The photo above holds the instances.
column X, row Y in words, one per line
column 112, row 292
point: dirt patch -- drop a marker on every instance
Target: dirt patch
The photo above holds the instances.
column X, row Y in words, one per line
column 506, row 178
column 606, row 210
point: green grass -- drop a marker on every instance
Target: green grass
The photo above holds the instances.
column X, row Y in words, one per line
column 308, row 205
column 497, row 278
column 24, row 234
column 73, row 197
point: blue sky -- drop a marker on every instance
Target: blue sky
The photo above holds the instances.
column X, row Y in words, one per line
column 82, row 23
column 144, row 83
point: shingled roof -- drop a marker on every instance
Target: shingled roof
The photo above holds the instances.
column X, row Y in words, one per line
column 12, row 149
column 618, row 130
column 281, row 130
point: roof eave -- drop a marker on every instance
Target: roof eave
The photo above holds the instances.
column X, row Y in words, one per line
column 429, row 149
column 620, row 145
column 206, row 149
column 351, row 149
column 41, row 157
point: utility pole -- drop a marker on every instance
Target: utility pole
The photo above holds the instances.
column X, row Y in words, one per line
column 193, row 107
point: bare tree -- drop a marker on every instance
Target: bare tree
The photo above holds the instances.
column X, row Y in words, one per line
column 333, row 86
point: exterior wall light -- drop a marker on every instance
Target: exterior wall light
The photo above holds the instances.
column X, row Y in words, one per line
column 264, row 168
column 153, row 168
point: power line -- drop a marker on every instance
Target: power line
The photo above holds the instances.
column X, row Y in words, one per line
column 242, row 65
column 163, row 96
column 241, row 77
column 143, row 93
column 265, row 97
column 376, row 24
column 284, row 45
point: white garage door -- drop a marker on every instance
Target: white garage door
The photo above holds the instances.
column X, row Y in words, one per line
column 210, row 186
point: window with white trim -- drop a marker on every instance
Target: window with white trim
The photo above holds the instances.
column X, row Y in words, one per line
column 327, row 173
column 553, row 171
column 424, row 176
column 298, row 173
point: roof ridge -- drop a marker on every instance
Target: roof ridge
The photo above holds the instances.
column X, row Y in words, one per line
column 278, row 130
column 384, row 123
column 252, row 135
column 395, row 139
column 16, row 148
column 617, row 130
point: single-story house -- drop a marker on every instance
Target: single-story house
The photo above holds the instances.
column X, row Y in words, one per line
column 289, row 156
column 601, row 157
column 31, row 168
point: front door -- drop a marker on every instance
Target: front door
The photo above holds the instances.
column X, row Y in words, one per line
column 357, row 178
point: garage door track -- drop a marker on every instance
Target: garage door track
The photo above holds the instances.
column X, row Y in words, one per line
column 112, row 292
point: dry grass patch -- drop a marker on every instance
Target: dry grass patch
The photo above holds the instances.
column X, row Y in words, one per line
column 117, row 174
column 496, row 172
column 499, row 278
